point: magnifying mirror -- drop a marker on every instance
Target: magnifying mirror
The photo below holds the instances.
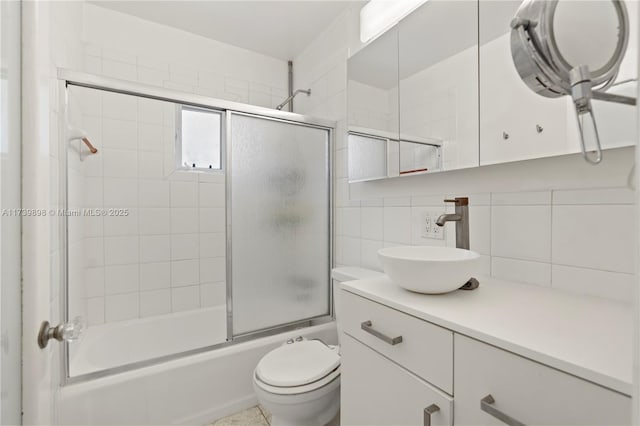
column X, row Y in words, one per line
column 574, row 48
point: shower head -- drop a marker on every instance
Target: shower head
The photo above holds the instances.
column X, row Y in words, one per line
column 290, row 98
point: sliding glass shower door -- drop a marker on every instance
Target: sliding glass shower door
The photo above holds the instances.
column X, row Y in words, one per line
column 279, row 212
column 187, row 224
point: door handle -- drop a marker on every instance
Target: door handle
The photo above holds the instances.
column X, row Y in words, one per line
column 426, row 421
column 367, row 326
column 486, row 405
column 68, row 332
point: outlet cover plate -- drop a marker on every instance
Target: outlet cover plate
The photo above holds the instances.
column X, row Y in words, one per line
column 429, row 228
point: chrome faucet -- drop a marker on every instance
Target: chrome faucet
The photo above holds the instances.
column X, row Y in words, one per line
column 461, row 218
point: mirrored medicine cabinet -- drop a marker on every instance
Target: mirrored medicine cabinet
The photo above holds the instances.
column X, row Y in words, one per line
column 439, row 91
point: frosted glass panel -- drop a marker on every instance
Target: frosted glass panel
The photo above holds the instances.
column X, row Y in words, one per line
column 280, row 223
column 367, row 157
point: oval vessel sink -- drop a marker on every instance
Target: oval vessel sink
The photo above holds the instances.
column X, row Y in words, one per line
column 430, row 270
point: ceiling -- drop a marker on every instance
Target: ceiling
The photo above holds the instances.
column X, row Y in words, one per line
column 279, row 29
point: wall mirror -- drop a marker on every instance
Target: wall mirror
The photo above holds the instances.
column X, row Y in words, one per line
column 518, row 124
column 440, row 90
column 438, row 71
column 415, row 97
column 373, row 119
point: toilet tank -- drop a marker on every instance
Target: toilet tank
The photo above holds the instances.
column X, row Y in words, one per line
column 347, row 273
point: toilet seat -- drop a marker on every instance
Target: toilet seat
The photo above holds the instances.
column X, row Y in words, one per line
column 298, row 367
column 296, row 390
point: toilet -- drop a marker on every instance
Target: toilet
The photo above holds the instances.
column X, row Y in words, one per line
column 299, row 382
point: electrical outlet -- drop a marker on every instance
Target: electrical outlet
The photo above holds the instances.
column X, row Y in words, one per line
column 429, row 229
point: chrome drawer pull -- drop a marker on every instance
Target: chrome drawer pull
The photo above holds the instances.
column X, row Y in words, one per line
column 368, row 327
column 487, row 407
column 428, row 412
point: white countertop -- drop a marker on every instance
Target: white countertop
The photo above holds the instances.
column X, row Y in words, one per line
column 589, row 337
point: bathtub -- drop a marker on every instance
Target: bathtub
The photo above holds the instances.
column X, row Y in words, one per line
column 120, row 343
column 194, row 389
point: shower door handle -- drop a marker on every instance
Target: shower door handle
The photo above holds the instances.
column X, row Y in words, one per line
column 65, row 332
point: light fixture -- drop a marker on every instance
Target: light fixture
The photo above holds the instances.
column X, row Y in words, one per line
column 377, row 16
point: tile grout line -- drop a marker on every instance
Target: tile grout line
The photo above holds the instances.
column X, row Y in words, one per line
column 139, row 290
column 102, row 237
column 553, row 191
column 261, row 409
column 491, row 195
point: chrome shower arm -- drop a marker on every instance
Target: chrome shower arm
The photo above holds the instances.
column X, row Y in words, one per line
column 290, row 98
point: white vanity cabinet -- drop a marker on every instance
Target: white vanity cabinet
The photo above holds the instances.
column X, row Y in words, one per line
column 377, row 391
column 527, row 392
column 425, row 349
column 396, row 363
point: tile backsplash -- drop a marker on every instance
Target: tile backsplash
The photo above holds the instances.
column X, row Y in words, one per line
column 577, row 240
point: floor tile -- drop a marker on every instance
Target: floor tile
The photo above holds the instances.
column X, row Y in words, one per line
column 250, row 417
column 265, row 413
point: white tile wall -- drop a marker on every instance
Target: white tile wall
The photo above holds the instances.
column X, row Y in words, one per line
column 168, row 253
column 521, row 270
column 521, row 232
column 594, row 236
column 524, row 237
column 554, row 237
column 397, row 224
column 372, row 222
column 208, row 67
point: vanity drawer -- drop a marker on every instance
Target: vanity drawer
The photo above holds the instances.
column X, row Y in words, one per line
column 376, row 391
column 421, row 347
column 528, row 392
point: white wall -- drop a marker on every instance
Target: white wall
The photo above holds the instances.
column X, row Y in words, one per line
column 10, row 262
column 126, row 47
column 539, row 221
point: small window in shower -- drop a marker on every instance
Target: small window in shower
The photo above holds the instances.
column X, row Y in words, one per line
column 199, row 138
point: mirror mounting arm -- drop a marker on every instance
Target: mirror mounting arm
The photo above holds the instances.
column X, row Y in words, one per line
column 582, row 94
column 610, row 97
column 543, row 67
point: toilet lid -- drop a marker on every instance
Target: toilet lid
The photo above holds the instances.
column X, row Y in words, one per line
column 297, row 364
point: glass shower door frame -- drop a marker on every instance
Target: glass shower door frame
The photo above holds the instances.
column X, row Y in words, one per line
column 68, row 78
column 228, row 191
